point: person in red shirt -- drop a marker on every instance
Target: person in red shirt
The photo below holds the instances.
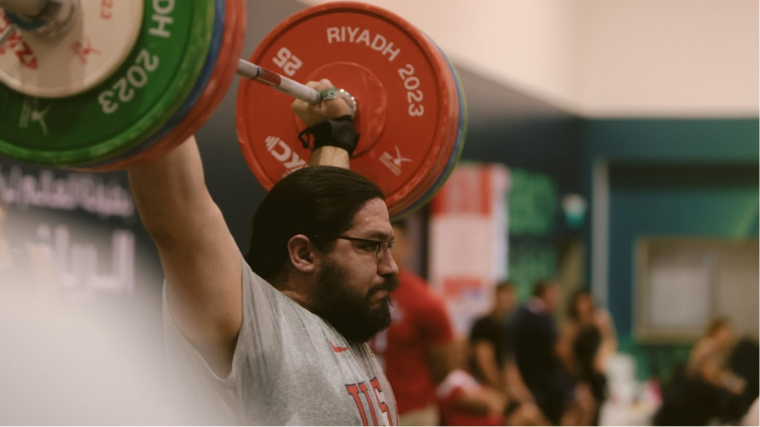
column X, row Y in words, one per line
column 416, row 351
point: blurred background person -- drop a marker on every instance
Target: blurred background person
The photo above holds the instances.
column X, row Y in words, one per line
column 745, row 363
column 534, row 340
column 417, row 350
column 465, row 400
column 708, row 360
column 587, row 340
column 491, row 360
column 487, row 338
column 704, row 391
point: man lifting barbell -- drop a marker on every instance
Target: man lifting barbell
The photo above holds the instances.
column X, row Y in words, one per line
column 279, row 338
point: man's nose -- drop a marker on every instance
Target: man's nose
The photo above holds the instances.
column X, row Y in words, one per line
column 387, row 264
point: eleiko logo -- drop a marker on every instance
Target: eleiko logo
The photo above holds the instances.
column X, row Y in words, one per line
column 83, row 50
column 31, row 114
column 17, row 45
column 394, row 163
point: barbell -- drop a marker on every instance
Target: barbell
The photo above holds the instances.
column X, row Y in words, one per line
column 103, row 85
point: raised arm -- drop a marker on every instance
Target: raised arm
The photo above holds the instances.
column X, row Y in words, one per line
column 201, row 261
column 199, row 257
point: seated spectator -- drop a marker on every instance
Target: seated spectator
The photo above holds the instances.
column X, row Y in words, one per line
column 534, row 342
column 703, row 391
column 709, row 357
column 587, row 340
column 465, row 401
column 486, row 338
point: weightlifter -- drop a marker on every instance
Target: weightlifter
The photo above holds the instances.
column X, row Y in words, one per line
column 277, row 337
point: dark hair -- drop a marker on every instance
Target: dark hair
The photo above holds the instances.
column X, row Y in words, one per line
column 715, row 324
column 540, row 288
column 504, row 286
column 572, row 304
column 318, row 201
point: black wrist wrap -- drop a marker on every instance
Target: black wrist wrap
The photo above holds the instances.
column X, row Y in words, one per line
column 339, row 132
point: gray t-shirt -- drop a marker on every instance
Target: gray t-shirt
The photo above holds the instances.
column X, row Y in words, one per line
column 290, row 367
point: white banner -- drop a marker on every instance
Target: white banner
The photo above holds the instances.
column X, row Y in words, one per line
column 468, row 239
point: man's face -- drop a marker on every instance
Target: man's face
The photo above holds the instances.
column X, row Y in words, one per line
column 504, row 301
column 551, row 297
column 353, row 286
column 724, row 336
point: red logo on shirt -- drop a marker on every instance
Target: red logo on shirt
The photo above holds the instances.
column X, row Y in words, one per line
column 338, row 349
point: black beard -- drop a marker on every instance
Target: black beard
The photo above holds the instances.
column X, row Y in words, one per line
column 349, row 312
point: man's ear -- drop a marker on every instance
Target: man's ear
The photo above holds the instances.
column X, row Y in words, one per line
column 301, row 253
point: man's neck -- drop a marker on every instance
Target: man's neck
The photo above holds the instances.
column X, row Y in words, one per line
column 297, row 297
column 296, row 291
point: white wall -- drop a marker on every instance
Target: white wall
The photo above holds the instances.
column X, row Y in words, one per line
column 668, row 57
column 524, row 44
column 657, row 58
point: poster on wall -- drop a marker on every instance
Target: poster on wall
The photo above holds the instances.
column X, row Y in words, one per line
column 73, row 234
column 468, row 239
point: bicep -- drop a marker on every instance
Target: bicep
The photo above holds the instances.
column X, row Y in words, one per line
column 198, row 254
column 203, row 280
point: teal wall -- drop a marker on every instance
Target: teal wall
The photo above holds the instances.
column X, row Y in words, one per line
column 681, row 141
column 669, row 178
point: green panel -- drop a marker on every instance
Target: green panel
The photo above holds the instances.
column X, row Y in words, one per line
column 677, row 141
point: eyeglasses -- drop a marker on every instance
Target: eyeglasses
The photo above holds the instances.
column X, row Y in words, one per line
column 380, row 246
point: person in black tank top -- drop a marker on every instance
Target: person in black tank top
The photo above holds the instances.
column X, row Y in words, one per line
column 588, row 338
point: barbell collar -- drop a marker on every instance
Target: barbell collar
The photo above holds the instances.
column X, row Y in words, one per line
column 46, row 18
column 26, row 8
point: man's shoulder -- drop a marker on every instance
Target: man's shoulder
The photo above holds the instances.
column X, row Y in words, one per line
column 259, row 294
column 481, row 322
column 521, row 314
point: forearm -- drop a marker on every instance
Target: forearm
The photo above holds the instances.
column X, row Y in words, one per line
column 169, row 190
column 480, row 402
column 606, row 350
column 330, row 156
column 488, row 368
column 515, row 385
